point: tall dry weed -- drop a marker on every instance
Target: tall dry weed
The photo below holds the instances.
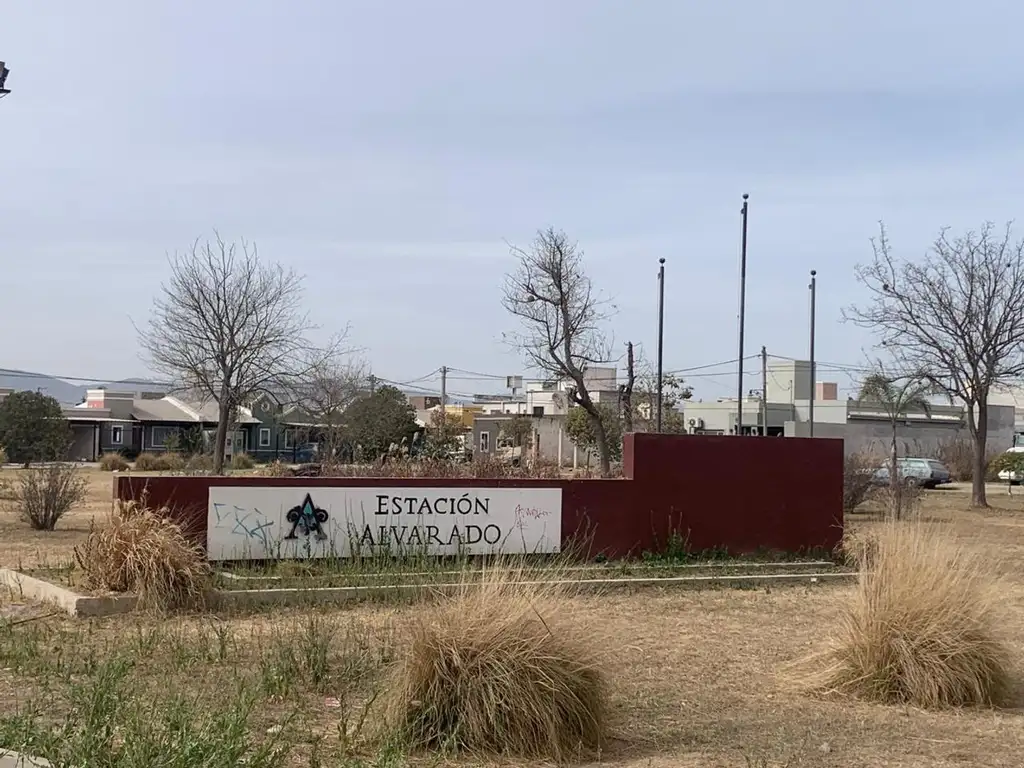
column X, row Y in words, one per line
column 144, row 552
column 503, row 666
column 923, row 625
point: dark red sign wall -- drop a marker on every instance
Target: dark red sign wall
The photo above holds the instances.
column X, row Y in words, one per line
column 739, row 494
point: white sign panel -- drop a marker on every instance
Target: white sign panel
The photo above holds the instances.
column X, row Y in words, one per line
column 260, row 523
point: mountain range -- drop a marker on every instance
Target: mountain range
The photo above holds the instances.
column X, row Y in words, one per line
column 65, row 392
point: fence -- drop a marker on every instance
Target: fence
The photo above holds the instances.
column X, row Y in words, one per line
column 731, row 494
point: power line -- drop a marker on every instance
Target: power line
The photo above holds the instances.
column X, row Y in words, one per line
column 89, row 379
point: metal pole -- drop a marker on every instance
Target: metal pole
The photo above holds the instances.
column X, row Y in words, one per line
column 810, row 411
column 743, row 312
column 661, row 334
column 764, row 391
column 4, row 72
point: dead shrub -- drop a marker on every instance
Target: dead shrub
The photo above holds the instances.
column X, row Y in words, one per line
column 921, row 628
column 242, row 461
column 144, row 552
column 167, row 461
column 198, row 464
column 858, row 481
column 114, row 462
column 275, row 469
column 46, row 493
column 501, row 667
column 958, row 455
column 900, row 501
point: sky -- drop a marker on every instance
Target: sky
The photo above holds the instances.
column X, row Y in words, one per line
column 391, row 151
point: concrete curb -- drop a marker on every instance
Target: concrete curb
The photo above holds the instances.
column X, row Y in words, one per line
column 68, row 601
column 14, row 760
column 247, row 598
column 89, row 606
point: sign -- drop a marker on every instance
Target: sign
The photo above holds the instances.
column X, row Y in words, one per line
column 254, row 523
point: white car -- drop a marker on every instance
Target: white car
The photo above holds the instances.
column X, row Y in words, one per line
column 1012, row 477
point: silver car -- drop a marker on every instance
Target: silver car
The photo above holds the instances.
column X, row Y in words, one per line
column 925, row 473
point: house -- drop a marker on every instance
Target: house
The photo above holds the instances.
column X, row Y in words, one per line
column 547, row 403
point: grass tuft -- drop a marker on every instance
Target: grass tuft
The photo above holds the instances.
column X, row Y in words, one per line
column 922, row 626
column 144, row 552
column 501, row 667
column 113, row 462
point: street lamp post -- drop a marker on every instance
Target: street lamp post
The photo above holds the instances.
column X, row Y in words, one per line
column 813, row 287
column 661, row 334
column 743, row 312
column 4, row 72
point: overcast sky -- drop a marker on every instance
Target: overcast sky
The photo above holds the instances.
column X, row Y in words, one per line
column 388, row 150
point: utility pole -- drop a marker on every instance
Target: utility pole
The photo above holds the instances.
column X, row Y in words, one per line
column 661, row 335
column 444, row 395
column 764, row 392
column 743, row 312
column 373, row 384
column 814, row 384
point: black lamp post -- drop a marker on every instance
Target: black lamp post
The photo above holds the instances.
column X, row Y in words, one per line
column 813, row 287
column 743, row 317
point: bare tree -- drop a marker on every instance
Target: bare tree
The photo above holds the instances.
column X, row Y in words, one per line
column 331, row 386
column 561, row 320
column 230, row 327
column 958, row 314
column 896, row 394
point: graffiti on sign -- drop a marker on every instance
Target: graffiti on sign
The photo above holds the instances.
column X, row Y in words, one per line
column 251, row 522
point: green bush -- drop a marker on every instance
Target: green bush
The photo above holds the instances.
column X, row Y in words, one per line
column 113, row 462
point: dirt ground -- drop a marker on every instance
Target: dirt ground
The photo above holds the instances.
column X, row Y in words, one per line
column 699, row 678
column 22, row 547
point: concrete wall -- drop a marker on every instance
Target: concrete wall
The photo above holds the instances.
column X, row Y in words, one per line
column 915, row 438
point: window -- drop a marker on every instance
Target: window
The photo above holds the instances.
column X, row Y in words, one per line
column 264, row 437
column 161, row 436
column 117, row 435
column 538, row 411
column 289, row 438
column 485, row 442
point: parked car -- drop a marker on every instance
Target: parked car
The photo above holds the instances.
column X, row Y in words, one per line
column 925, row 473
column 1008, row 475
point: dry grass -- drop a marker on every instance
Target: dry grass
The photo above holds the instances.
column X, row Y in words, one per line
column 141, row 551
column 695, row 678
column 923, row 626
column 503, row 667
column 114, row 462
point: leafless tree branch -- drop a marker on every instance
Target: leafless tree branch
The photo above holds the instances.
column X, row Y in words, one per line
column 230, row 326
column 957, row 313
column 561, row 319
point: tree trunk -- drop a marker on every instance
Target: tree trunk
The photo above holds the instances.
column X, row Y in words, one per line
column 603, row 452
column 978, row 498
column 221, row 440
column 895, row 496
column 627, row 391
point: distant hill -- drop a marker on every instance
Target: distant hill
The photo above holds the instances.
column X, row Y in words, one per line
column 64, row 392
